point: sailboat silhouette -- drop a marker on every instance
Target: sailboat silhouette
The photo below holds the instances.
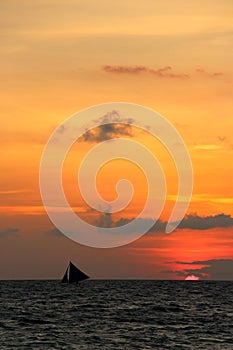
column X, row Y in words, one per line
column 73, row 274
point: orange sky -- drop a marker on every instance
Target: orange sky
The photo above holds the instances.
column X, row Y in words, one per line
column 59, row 57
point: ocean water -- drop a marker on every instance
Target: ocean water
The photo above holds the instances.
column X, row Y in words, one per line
column 116, row 315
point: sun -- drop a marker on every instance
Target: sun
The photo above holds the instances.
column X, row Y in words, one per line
column 192, row 278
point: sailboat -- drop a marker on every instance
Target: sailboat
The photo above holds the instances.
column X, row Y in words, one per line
column 73, row 274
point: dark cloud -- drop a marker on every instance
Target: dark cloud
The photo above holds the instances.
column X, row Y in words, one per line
column 107, row 132
column 215, row 269
column 112, row 125
column 191, row 221
column 196, row 222
column 8, row 232
column 164, row 72
column 105, row 220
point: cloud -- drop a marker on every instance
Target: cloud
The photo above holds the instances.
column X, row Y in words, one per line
column 208, row 147
column 164, row 72
column 105, row 220
column 124, row 69
column 195, row 222
column 215, row 269
column 61, row 129
column 222, row 138
column 205, row 197
column 16, row 191
column 191, row 221
column 106, row 132
column 8, row 232
column 116, row 126
column 202, row 71
column 54, row 233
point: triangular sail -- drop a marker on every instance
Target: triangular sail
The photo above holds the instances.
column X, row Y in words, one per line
column 76, row 275
column 65, row 277
column 73, row 274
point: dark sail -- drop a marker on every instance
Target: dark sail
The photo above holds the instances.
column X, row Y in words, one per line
column 65, row 277
column 73, row 275
column 76, row 275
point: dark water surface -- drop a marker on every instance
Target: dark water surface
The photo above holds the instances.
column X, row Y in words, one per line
column 116, row 315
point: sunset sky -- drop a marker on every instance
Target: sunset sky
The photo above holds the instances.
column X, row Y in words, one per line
column 59, row 57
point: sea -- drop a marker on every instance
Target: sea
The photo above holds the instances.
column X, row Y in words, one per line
column 116, row 314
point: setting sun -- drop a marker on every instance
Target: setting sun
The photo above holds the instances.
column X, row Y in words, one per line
column 192, row 278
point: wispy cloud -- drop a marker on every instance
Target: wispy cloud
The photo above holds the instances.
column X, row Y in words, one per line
column 8, row 232
column 54, row 233
column 8, row 192
column 202, row 71
column 22, row 210
column 207, row 198
column 163, row 72
column 222, row 138
column 208, row 147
